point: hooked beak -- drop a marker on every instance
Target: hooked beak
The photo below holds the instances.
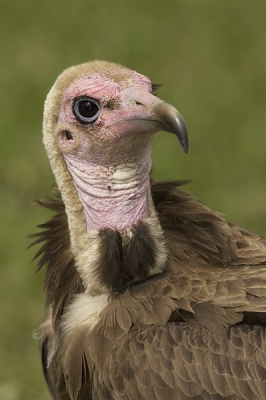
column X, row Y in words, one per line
column 145, row 112
column 165, row 117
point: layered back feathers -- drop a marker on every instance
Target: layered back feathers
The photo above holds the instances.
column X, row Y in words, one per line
column 215, row 278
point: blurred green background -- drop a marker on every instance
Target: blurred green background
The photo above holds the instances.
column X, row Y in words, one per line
column 211, row 58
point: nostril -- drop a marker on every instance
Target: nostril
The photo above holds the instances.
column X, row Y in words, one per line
column 138, row 103
column 65, row 138
column 68, row 135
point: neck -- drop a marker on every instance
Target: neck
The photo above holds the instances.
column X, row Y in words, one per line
column 101, row 253
column 113, row 196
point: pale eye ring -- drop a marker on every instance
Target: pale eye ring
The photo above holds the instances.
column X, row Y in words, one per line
column 86, row 109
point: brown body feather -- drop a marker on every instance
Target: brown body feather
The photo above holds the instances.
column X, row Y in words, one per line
column 196, row 330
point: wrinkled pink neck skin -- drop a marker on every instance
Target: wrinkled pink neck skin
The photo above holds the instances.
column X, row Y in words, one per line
column 114, row 196
column 112, row 181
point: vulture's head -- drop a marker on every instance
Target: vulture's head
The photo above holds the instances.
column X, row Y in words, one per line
column 99, row 121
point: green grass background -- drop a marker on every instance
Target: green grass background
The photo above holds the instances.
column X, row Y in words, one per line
column 211, row 58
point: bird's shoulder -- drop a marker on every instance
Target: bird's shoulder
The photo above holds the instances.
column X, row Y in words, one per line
column 211, row 264
column 196, row 234
column 163, row 335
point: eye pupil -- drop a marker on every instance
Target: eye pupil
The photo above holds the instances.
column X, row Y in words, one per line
column 86, row 110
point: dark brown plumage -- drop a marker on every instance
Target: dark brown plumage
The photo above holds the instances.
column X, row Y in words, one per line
column 178, row 322
column 165, row 300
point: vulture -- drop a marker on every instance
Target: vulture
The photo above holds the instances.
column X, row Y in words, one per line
column 150, row 294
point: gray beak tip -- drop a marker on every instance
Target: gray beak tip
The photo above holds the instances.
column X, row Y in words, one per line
column 171, row 121
column 181, row 132
column 184, row 146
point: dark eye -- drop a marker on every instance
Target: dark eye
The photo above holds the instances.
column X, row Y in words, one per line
column 86, row 109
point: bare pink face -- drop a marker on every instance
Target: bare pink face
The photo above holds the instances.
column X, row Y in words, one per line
column 120, row 107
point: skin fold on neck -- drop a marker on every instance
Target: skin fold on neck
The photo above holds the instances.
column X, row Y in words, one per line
column 113, row 196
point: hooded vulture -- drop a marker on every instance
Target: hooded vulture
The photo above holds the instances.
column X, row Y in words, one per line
column 150, row 294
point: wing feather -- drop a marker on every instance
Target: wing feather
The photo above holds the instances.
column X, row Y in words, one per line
column 197, row 330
